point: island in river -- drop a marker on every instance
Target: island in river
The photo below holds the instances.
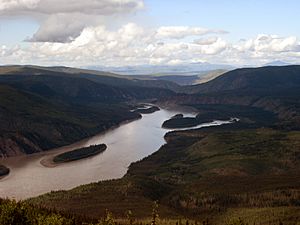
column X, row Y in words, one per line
column 180, row 121
column 80, row 153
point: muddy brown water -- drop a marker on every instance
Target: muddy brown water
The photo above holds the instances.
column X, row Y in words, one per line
column 127, row 143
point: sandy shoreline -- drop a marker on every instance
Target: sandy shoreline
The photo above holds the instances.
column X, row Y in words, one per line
column 48, row 162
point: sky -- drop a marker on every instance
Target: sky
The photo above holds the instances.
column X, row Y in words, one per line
column 149, row 32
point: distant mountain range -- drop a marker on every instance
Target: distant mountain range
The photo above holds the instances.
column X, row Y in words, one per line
column 183, row 69
column 277, row 63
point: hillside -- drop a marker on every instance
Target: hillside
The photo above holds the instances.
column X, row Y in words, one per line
column 265, row 79
column 272, row 89
column 32, row 123
column 209, row 75
column 46, row 107
column 107, row 78
column 212, row 174
column 79, row 89
column 183, row 78
column 248, row 169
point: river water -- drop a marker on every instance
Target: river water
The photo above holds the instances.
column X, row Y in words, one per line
column 125, row 144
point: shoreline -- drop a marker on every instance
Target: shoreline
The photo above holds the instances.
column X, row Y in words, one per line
column 44, row 160
column 47, row 161
column 172, row 107
column 48, row 154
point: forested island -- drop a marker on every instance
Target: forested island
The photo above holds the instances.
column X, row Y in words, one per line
column 179, row 121
column 80, row 153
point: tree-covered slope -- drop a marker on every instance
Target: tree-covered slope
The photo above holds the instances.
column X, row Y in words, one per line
column 32, row 123
column 199, row 174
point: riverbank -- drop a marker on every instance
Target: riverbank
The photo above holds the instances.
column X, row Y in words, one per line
column 74, row 155
column 190, row 174
column 180, row 122
column 127, row 143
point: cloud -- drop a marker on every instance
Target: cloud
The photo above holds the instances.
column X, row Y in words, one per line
column 206, row 41
column 50, row 7
column 64, row 20
column 53, row 30
column 269, row 43
column 180, row 32
column 132, row 44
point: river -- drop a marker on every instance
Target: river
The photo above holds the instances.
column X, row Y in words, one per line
column 127, row 143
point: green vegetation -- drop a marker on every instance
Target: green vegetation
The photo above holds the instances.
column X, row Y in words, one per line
column 211, row 173
column 250, row 117
column 22, row 213
column 43, row 108
column 80, row 153
column 3, row 170
column 182, row 122
column 272, row 90
column 238, row 174
column 32, row 123
column 179, row 121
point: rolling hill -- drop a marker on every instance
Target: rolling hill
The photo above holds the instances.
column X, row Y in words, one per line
column 42, row 108
column 32, row 123
column 239, row 170
column 273, row 89
column 95, row 76
column 252, row 80
column 212, row 173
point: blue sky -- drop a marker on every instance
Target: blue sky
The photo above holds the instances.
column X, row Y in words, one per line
column 242, row 19
column 269, row 30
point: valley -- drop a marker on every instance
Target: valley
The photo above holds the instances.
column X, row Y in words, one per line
column 147, row 112
column 232, row 150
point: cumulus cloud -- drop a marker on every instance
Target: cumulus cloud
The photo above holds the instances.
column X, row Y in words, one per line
column 269, row 43
column 64, row 20
column 132, row 44
column 179, row 32
column 206, row 41
column 53, row 30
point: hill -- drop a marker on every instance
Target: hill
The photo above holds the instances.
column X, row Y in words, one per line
column 32, row 123
column 263, row 79
column 46, row 107
column 272, row 89
column 212, row 173
column 248, row 169
column 107, row 78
